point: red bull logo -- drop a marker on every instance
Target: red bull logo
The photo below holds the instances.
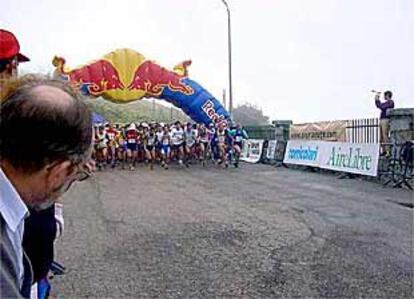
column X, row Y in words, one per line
column 152, row 78
column 96, row 77
column 125, row 75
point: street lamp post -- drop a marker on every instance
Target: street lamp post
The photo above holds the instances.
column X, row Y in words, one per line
column 229, row 46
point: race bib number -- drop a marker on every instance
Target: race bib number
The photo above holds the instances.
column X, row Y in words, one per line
column 132, row 141
column 239, row 138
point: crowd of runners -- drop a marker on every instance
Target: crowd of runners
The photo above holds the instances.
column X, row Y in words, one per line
column 161, row 144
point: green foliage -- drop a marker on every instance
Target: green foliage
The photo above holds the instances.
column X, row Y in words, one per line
column 138, row 111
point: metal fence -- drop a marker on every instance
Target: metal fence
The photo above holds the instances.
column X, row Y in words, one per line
column 363, row 130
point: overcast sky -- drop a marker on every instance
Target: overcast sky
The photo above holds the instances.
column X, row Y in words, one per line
column 303, row 60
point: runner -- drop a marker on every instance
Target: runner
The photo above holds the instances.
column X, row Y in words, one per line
column 101, row 147
column 204, row 144
column 132, row 145
column 144, row 132
column 222, row 144
column 238, row 134
column 151, row 141
column 190, row 137
column 140, row 143
column 95, row 142
column 177, row 140
column 122, row 147
column 165, row 147
column 111, row 133
column 196, row 137
column 212, row 140
column 159, row 134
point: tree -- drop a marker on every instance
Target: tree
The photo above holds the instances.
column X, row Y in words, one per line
column 138, row 111
column 250, row 115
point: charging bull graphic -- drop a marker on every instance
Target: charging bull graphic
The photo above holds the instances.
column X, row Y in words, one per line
column 125, row 75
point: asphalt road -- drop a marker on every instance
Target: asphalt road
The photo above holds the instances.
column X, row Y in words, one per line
column 253, row 232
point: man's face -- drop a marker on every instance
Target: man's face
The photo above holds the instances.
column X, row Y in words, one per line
column 55, row 180
column 11, row 68
column 9, row 73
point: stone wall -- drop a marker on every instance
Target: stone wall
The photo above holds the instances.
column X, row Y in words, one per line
column 401, row 126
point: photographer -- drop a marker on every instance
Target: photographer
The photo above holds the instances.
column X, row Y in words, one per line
column 385, row 107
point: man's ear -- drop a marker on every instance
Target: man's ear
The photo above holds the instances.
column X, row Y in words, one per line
column 57, row 173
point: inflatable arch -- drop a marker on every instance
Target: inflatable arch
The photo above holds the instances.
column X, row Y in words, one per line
column 125, row 75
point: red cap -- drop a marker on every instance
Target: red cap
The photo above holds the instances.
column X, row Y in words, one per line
column 9, row 46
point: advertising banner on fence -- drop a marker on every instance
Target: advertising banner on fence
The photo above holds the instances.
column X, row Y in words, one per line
column 302, row 152
column 359, row 158
column 324, row 130
column 355, row 158
column 244, row 149
column 271, row 150
column 252, row 151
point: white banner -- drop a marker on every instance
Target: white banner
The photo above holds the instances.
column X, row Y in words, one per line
column 271, row 149
column 252, row 151
column 356, row 158
column 302, row 152
column 244, row 150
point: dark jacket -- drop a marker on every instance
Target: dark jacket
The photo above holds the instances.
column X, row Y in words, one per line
column 38, row 240
column 384, row 107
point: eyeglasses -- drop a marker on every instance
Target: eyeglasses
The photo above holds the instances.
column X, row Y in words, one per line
column 81, row 175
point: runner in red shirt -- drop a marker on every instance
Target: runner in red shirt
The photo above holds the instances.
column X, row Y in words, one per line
column 132, row 145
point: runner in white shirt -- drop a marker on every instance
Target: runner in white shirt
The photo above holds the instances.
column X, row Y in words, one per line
column 177, row 140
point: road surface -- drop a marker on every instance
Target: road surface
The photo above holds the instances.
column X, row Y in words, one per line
column 253, row 232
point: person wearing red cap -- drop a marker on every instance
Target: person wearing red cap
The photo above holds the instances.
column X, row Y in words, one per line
column 10, row 57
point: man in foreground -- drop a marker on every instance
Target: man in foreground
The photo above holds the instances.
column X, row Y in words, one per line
column 45, row 141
